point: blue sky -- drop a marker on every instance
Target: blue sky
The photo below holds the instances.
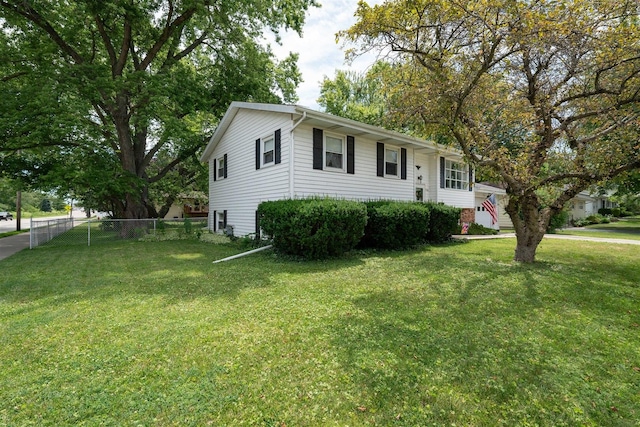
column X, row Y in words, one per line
column 319, row 54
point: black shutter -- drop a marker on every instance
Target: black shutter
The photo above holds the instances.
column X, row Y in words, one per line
column 224, row 218
column 215, row 221
column 277, row 138
column 215, row 169
column 380, row 159
column 351, row 164
column 225, row 165
column 258, row 153
column 317, row 148
column 403, row 163
column 470, row 178
column 441, row 172
column 257, row 226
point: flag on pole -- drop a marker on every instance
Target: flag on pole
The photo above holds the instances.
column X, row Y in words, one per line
column 491, row 206
column 465, row 228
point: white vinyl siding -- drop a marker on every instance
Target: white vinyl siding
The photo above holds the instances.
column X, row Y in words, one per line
column 362, row 185
column 245, row 187
column 430, row 172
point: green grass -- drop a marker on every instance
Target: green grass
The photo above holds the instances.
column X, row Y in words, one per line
column 626, row 228
column 12, row 233
column 153, row 333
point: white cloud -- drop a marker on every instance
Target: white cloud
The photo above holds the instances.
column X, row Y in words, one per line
column 319, row 54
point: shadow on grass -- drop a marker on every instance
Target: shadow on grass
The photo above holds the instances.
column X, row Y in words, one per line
column 178, row 270
column 514, row 341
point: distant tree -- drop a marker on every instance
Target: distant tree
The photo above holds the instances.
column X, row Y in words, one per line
column 357, row 96
column 544, row 96
column 45, row 205
column 117, row 83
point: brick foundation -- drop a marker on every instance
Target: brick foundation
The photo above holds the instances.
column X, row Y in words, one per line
column 467, row 215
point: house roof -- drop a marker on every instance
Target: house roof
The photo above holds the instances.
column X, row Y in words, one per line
column 488, row 189
column 327, row 121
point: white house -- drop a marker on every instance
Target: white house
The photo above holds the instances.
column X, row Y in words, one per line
column 265, row 152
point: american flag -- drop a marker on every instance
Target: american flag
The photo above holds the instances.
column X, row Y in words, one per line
column 491, row 206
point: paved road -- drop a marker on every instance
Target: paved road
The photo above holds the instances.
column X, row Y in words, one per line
column 25, row 223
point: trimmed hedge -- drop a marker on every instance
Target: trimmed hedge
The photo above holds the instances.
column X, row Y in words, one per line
column 321, row 228
column 313, row 228
column 443, row 222
column 395, row 225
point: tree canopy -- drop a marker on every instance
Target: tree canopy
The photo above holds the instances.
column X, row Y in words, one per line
column 106, row 98
column 543, row 95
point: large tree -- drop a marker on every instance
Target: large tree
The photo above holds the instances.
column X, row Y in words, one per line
column 543, row 95
column 125, row 91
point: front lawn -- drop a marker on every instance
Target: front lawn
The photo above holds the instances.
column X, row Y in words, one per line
column 153, row 333
column 625, row 228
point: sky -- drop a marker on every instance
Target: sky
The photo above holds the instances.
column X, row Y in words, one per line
column 319, row 54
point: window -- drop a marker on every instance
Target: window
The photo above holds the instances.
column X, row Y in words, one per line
column 391, row 162
column 221, row 167
column 220, row 220
column 333, row 152
column 268, row 150
column 456, row 176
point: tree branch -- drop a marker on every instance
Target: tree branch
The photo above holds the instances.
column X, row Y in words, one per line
column 28, row 12
column 164, row 37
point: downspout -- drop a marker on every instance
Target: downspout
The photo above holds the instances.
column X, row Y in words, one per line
column 291, row 154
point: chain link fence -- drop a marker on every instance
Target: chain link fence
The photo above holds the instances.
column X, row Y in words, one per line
column 70, row 231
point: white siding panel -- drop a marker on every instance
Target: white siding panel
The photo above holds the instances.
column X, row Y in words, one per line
column 362, row 185
column 245, row 187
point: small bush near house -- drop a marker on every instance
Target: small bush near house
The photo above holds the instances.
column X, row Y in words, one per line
column 590, row 220
column 443, row 222
column 313, row 228
column 557, row 221
column 605, row 211
column 477, row 230
column 395, row 225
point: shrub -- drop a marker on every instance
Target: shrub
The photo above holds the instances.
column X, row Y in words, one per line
column 557, row 221
column 313, row 228
column 477, row 230
column 395, row 225
column 605, row 211
column 443, row 221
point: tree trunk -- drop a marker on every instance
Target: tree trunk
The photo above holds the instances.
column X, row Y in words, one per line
column 527, row 244
column 530, row 223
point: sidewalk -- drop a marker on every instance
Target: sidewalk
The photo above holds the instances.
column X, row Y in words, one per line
column 550, row 236
column 12, row 244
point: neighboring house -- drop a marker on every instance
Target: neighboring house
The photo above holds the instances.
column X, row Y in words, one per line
column 482, row 217
column 581, row 206
column 586, row 204
column 189, row 205
column 265, row 152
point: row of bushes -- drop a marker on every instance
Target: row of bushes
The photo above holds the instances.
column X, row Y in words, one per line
column 320, row 228
column 615, row 212
column 590, row 220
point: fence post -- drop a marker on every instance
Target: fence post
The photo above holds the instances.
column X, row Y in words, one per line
column 89, row 232
column 31, row 233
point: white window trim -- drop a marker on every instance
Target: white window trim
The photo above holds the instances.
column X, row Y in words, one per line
column 464, row 174
column 220, row 222
column 398, row 165
column 219, row 170
column 262, row 150
column 343, row 138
